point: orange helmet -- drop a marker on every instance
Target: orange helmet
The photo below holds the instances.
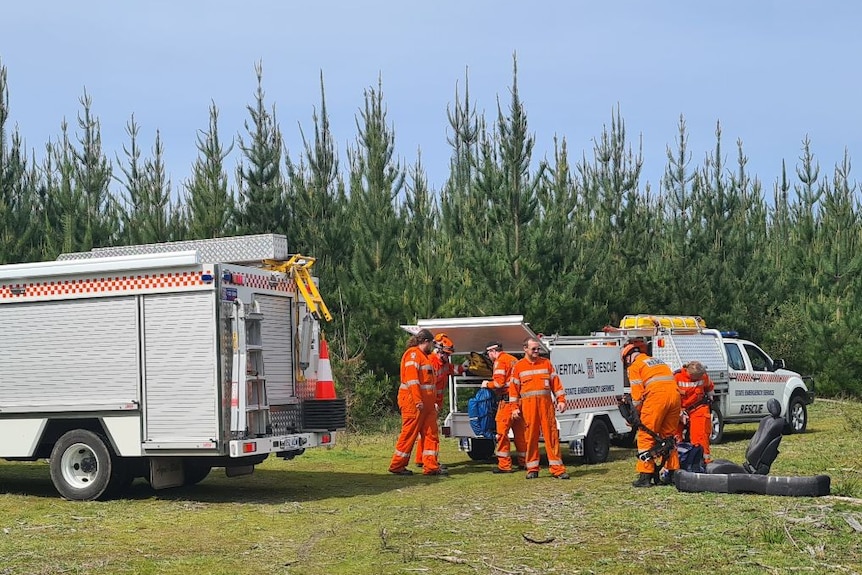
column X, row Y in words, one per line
column 443, row 343
column 632, row 346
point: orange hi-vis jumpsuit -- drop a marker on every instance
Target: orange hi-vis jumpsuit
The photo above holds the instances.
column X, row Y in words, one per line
column 499, row 383
column 695, row 403
column 533, row 388
column 417, row 387
column 653, row 387
column 442, row 370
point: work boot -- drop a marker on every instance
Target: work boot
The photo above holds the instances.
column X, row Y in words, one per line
column 438, row 471
column 498, row 470
column 533, row 475
column 562, row 476
column 643, row 480
column 404, row 471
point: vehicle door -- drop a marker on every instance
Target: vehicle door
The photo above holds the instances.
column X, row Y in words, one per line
column 752, row 379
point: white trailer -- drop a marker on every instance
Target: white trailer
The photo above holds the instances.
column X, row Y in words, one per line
column 160, row 361
column 590, row 370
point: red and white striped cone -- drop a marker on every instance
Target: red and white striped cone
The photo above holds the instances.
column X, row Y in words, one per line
column 325, row 388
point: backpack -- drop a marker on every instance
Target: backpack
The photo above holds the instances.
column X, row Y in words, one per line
column 479, row 365
column 481, row 409
column 691, row 457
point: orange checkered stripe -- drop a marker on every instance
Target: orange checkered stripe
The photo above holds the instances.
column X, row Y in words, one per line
column 763, row 378
column 586, row 402
column 101, row 286
column 263, row 282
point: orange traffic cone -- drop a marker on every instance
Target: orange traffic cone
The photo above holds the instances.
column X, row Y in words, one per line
column 325, row 386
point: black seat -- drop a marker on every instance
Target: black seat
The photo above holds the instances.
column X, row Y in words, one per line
column 762, row 449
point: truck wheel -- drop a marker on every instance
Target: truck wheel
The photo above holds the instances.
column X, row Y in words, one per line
column 82, row 466
column 194, row 471
column 481, row 449
column 717, row 421
column 797, row 416
column 597, row 444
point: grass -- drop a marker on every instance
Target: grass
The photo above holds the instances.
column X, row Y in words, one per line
column 339, row 511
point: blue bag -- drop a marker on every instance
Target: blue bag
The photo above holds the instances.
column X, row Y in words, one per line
column 691, row 457
column 481, row 409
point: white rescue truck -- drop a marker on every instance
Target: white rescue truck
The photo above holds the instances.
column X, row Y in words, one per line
column 161, row 361
column 590, row 370
column 745, row 377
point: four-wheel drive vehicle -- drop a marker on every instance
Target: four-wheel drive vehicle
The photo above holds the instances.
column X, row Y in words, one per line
column 745, row 376
column 590, row 370
column 161, row 361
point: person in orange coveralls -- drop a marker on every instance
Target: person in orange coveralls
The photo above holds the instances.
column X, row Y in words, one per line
column 656, row 397
column 697, row 392
column 534, row 389
column 503, row 363
column 416, row 399
column 444, row 347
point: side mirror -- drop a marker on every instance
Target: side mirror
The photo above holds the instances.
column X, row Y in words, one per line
column 777, row 364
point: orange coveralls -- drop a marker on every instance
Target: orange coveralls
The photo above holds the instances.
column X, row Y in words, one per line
column 653, row 384
column 498, row 383
column 417, row 386
column 533, row 388
column 699, row 418
column 442, row 370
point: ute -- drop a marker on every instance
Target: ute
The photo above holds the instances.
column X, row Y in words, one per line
column 590, row 370
column 745, row 377
column 163, row 361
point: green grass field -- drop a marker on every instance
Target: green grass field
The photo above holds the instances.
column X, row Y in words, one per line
column 339, row 511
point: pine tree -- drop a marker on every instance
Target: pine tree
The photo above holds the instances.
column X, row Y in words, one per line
column 317, row 201
column 261, row 185
column 209, row 200
column 18, row 237
column 373, row 284
column 145, row 205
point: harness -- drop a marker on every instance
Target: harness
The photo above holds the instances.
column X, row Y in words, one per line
column 663, row 447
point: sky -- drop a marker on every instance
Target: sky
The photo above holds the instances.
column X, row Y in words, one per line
column 771, row 72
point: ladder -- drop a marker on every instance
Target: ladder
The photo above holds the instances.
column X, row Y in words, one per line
column 299, row 267
column 249, row 415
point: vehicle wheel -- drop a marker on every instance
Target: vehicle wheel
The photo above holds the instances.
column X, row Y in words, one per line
column 481, row 449
column 797, row 416
column 195, row 471
column 597, row 443
column 717, row 421
column 83, row 467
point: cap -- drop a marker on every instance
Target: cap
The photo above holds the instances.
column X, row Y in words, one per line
column 493, row 346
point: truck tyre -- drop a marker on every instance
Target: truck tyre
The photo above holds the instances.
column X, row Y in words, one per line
column 481, row 449
column 797, row 416
column 195, row 471
column 597, row 443
column 717, row 421
column 83, row 467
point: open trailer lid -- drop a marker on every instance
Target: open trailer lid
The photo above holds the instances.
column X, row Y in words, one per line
column 474, row 333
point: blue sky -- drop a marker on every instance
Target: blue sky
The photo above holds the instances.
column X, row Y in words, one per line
column 770, row 71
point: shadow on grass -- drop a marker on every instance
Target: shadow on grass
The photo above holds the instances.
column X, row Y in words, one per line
column 263, row 486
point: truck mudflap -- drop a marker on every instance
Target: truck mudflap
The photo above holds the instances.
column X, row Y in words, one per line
column 279, row 443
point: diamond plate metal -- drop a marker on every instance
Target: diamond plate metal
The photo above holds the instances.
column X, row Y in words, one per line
column 237, row 250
